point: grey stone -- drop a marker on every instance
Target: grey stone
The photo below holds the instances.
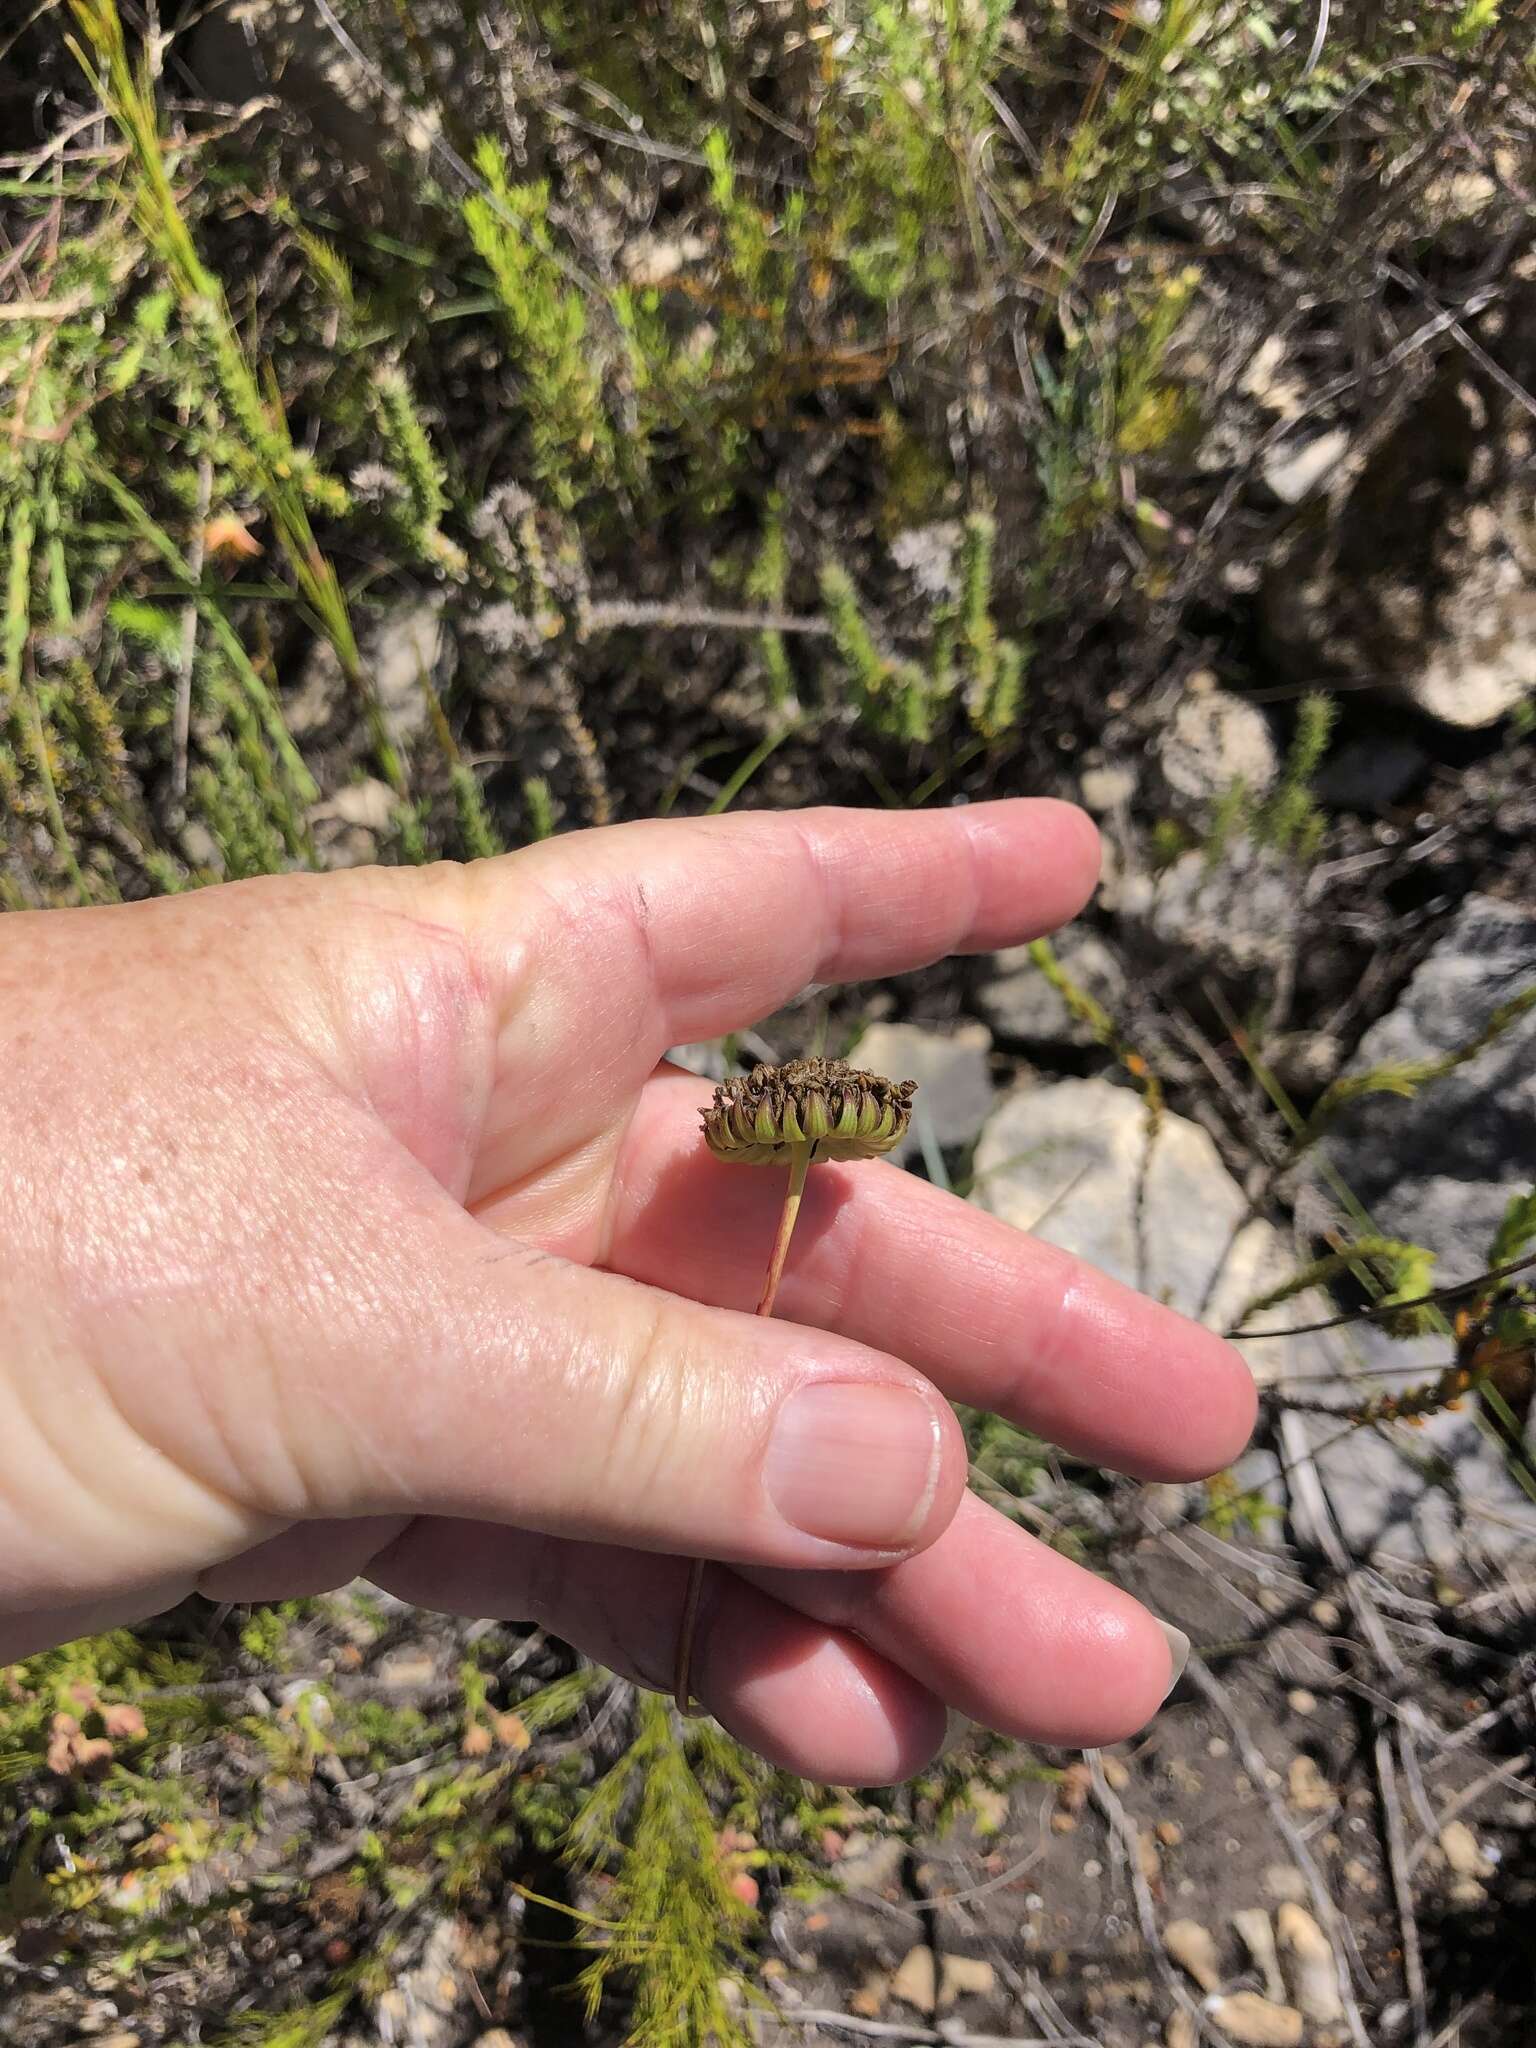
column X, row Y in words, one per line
column 423, row 2008
column 1440, row 1168
column 927, row 554
column 1069, row 1162
column 1107, row 786
column 400, row 649
column 1441, row 1492
column 1019, row 1003
column 397, row 647
column 1421, row 577
column 954, row 1080
column 369, row 803
column 1294, row 469
column 1238, row 914
column 1213, row 740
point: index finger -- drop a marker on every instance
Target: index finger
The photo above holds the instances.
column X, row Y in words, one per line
column 690, row 929
column 600, row 949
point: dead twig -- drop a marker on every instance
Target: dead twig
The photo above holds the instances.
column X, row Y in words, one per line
column 186, row 656
column 901, row 2030
column 1402, row 1887
column 1508, row 1773
column 1128, row 1835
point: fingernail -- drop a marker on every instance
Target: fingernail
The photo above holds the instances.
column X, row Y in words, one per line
column 854, row 1464
column 1178, row 1651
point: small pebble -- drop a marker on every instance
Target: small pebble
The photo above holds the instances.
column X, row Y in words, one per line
column 1257, row 2022
column 1463, row 1852
column 1301, row 1701
column 1310, row 1791
column 1193, row 1948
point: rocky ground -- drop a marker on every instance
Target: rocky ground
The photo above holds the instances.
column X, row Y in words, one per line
column 1259, row 473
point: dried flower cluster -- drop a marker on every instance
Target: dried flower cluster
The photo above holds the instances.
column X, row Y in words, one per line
column 764, row 1118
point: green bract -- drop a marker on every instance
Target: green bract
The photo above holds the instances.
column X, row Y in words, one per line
column 825, row 1107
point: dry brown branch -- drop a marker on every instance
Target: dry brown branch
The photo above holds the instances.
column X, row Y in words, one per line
column 186, row 654
column 1402, row 1887
column 899, row 2030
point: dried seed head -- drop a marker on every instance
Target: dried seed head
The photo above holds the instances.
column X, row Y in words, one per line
column 767, row 1117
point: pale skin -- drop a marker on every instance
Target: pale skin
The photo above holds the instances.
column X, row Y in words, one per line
column 352, row 1225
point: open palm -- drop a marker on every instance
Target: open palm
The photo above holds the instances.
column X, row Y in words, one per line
column 354, row 1225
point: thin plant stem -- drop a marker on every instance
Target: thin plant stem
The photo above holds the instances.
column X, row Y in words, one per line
column 682, row 1680
column 788, row 1216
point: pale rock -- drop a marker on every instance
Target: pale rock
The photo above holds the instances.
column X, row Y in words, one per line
column 1294, row 469
column 1212, row 740
column 954, row 1079
column 916, row 1981
column 406, row 1669
column 927, row 554
column 400, row 652
column 1463, row 1852
column 1065, row 1161
column 421, row 2008
column 706, row 1058
column 1283, row 395
column 1285, row 1881
column 1257, row 2022
column 1021, row 1005
column 1309, row 1790
column 1439, row 1170
column 1254, row 1931
column 1238, row 913
column 989, row 1805
column 398, row 647
column 1309, row 1965
column 1107, row 788
column 652, row 259
column 871, row 1864
column 369, row 803
column 1181, row 2031
column 1421, row 579
column 1193, row 1948
column 964, row 1977
column 199, row 848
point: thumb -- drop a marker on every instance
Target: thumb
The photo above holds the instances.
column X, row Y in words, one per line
column 406, row 1359
column 519, row 1388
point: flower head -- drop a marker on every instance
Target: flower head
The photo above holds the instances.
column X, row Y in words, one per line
column 826, row 1107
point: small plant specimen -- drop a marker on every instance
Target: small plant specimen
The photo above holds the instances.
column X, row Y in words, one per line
column 794, row 1115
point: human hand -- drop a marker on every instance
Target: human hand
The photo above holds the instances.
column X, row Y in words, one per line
column 349, row 1226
